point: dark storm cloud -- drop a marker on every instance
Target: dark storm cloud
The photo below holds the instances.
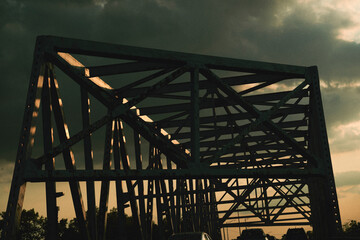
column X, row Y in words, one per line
column 341, row 104
column 304, row 38
column 275, row 31
column 201, row 27
column 341, row 107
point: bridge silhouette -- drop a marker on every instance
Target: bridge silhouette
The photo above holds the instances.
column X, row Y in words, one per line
column 192, row 142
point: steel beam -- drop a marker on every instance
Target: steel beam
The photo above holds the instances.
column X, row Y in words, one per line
column 88, row 154
column 105, row 184
column 51, row 207
column 201, row 173
column 207, row 103
column 229, row 139
column 68, row 155
column 322, row 191
column 120, row 196
column 203, row 84
column 195, row 123
column 26, row 141
column 99, row 49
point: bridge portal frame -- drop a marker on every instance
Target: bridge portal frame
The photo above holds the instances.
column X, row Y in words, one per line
column 196, row 160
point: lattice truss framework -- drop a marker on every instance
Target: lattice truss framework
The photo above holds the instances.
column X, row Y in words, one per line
column 192, row 142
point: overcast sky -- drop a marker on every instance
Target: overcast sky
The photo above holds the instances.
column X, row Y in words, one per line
column 325, row 33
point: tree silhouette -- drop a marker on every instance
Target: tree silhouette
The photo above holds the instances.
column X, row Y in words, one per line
column 32, row 225
column 352, row 228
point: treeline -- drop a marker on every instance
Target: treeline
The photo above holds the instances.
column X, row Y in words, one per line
column 350, row 229
column 33, row 227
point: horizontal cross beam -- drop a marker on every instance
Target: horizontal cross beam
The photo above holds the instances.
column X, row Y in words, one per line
column 92, row 48
column 198, row 173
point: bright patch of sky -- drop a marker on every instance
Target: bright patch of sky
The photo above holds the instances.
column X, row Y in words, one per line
column 339, row 84
column 350, row 9
column 353, row 127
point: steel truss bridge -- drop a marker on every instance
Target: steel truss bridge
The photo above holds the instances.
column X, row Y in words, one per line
column 192, row 142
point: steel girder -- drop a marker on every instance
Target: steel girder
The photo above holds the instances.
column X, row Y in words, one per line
column 212, row 142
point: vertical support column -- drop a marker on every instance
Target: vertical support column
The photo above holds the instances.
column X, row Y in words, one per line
column 150, row 195
column 18, row 186
column 324, row 205
column 265, row 201
column 149, row 211
column 195, row 123
column 172, row 199
column 207, row 206
column 192, row 207
column 51, row 207
column 119, row 190
column 178, row 202
column 188, row 223
column 200, row 201
column 105, row 184
column 215, row 230
column 130, row 187
column 165, row 205
column 68, row 155
column 159, row 207
column 88, row 154
column 138, row 159
column 195, row 144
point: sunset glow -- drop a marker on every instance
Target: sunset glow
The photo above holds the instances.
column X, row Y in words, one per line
column 322, row 33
